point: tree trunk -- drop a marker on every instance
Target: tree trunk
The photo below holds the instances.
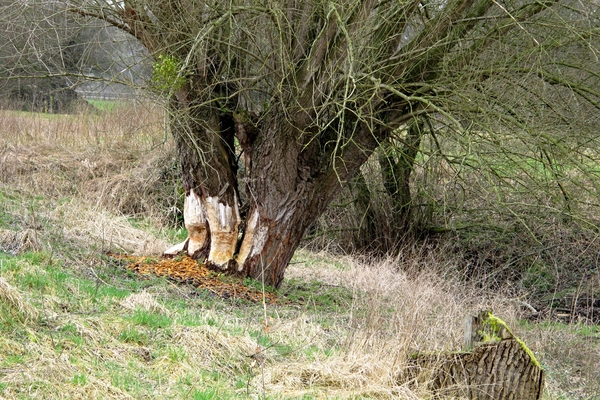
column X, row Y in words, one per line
column 287, row 188
column 499, row 367
column 397, row 165
column 368, row 236
column 492, row 371
column 204, row 138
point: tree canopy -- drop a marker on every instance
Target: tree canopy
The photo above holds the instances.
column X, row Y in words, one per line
column 275, row 105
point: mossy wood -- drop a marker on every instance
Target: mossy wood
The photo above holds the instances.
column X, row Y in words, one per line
column 498, row 367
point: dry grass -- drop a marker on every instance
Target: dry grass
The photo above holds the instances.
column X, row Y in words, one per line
column 11, row 297
column 145, row 301
column 391, row 317
column 96, row 170
column 114, row 160
column 571, row 354
column 18, row 242
column 77, row 180
column 90, row 226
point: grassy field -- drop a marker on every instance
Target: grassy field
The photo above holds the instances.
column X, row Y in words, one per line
column 76, row 323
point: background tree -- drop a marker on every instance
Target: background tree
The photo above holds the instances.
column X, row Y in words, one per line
column 511, row 164
column 48, row 53
column 275, row 105
column 36, row 47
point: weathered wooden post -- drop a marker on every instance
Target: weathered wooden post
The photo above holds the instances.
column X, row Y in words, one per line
column 494, row 365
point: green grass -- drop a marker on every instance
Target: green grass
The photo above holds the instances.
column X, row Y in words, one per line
column 151, row 320
column 582, row 330
column 83, row 329
column 317, row 296
column 80, row 379
column 134, row 335
column 107, row 105
column 81, row 319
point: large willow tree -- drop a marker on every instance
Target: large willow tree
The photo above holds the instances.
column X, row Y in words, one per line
column 275, row 104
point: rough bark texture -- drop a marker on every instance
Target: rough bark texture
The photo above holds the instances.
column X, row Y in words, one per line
column 492, row 371
column 289, row 195
column 397, row 165
column 500, row 368
column 368, row 234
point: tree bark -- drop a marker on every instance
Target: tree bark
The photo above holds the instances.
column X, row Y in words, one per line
column 500, row 367
column 288, row 186
column 288, row 189
column 492, row 371
column 204, row 138
column 397, row 165
column 368, row 236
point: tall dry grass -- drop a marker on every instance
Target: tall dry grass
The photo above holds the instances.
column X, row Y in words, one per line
column 121, row 160
column 94, row 170
column 393, row 314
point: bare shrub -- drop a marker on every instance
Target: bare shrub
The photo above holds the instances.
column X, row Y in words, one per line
column 512, row 232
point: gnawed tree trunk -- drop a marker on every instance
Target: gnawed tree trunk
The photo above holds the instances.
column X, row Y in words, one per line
column 205, row 144
column 499, row 367
column 302, row 93
column 288, row 186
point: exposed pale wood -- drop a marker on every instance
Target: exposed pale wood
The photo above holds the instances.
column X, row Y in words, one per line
column 248, row 241
column 223, row 221
column 178, row 248
column 194, row 217
column 196, row 223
